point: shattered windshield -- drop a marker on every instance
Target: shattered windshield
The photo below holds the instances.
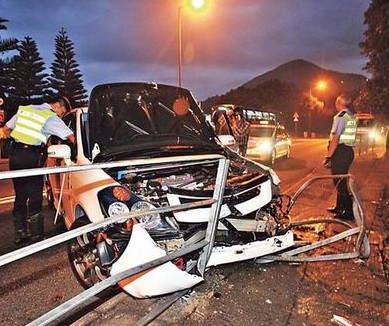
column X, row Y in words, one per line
column 135, row 116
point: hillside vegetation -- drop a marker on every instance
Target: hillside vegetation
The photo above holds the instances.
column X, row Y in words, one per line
column 285, row 90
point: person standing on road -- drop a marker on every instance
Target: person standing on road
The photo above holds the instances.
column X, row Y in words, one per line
column 341, row 154
column 30, row 129
column 241, row 130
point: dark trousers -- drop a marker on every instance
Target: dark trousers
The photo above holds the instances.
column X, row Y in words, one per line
column 28, row 190
column 340, row 164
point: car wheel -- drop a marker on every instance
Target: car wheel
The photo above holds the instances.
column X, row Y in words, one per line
column 84, row 260
column 288, row 152
column 273, row 156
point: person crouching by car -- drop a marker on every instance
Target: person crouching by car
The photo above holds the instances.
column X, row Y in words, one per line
column 30, row 129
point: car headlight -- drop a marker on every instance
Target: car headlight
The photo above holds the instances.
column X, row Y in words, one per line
column 117, row 208
column 115, row 200
column 373, row 134
column 148, row 221
column 266, row 146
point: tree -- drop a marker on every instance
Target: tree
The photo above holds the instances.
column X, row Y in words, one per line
column 376, row 48
column 30, row 82
column 6, row 71
column 65, row 77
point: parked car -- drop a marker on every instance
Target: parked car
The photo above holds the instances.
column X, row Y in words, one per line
column 151, row 121
column 268, row 141
column 367, row 126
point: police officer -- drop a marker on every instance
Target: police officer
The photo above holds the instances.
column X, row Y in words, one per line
column 30, row 129
column 341, row 154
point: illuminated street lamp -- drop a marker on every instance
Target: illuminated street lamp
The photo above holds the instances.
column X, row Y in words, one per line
column 197, row 5
column 321, row 86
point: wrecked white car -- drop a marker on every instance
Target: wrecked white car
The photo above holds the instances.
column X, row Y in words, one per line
column 158, row 124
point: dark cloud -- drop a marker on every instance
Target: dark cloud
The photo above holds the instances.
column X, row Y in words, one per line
column 224, row 47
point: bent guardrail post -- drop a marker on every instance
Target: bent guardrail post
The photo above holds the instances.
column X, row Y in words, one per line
column 287, row 256
column 214, row 215
column 360, row 218
column 362, row 246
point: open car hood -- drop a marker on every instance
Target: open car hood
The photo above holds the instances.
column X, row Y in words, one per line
column 146, row 117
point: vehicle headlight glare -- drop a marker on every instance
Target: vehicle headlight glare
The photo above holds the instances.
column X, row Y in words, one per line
column 117, row 208
column 148, row 221
column 373, row 135
column 265, row 146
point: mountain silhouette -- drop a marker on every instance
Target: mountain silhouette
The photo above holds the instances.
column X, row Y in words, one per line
column 304, row 75
column 301, row 74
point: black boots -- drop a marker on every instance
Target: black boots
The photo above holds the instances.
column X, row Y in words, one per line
column 20, row 227
column 35, row 225
column 21, row 236
column 28, row 229
column 343, row 209
column 334, row 209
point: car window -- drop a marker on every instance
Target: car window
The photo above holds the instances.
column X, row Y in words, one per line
column 221, row 124
column 365, row 123
column 261, row 131
column 70, row 121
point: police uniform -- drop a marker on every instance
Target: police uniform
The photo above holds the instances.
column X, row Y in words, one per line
column 344, row 125
column 31, row 126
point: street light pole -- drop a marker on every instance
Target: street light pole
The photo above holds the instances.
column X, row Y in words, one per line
column 321, row 85
column 179, row 50
column 309, row 112
column 197, row 5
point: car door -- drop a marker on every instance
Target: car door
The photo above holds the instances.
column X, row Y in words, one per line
column 59, row 183
column 223, row 128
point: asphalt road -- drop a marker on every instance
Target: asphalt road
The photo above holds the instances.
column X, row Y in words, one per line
column 34, row 285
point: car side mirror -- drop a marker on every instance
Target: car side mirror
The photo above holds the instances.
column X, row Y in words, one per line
column 59, row 151
column 227, row 140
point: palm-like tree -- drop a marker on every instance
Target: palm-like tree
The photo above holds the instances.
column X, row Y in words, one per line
column 6, row 69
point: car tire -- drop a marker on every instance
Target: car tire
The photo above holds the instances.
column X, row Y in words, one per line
column 84, row 262
column 287, row 152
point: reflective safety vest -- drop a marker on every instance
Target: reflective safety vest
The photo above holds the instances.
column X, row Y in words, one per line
column 29, row 125
column 349, row 133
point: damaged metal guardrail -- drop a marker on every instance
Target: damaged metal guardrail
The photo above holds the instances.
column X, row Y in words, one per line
column 362, row 246
column 205, row 244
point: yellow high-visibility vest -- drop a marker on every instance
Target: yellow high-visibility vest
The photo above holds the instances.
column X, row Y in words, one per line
column 29, row 124
column 349, row 133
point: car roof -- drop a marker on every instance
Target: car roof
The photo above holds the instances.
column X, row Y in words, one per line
column 364, row 116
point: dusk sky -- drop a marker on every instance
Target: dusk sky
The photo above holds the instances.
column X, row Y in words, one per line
column 226, row 45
